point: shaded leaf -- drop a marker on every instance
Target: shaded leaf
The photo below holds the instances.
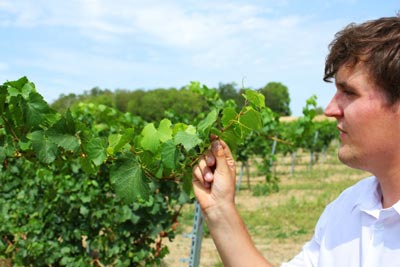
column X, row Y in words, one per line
column 96, row 151
column 129, row 180
column 169, row 154
column 87, row 165
column 116, row 142
column 228, row 115
column 45, row 149
column 66, row 141
column 38, row 112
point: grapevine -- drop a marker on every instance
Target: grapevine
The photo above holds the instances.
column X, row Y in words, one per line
column 99, row 175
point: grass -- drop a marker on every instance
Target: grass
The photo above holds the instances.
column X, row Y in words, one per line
column 281, row 222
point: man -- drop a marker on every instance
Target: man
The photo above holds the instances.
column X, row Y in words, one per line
column 362, row 226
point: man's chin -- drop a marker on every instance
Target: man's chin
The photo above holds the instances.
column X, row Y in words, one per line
column 348, row 157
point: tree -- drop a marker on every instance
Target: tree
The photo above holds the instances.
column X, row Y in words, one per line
column 229, row 91
column 152, row 105
column 277, row 98
column 64, row 102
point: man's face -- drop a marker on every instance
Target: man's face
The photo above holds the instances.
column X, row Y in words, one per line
column 369, row 127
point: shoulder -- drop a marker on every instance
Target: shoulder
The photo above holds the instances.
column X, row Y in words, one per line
column 356, row 194
column 345, row 203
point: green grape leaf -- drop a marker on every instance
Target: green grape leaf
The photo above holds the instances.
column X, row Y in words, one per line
column 87, row 165
column 125, row 213
column 187, row 184
column 66, row 141
column 251, row 119
column 204, row 125
column 44, row 148
column 231, row 138
column 96, row 151
column 27, row 89
column 165, row 130
column 228, row 115
column 159, row 172
column 3, row 97
column 69, row 123
column 62, row 133
column 38, row 112
column 2, row 155
column 169, row 154
column 122, row 141
column 113, row 140
column 150, row 139
column 129, row 180
column 21, row 87
column 255, row 98
column 187, row 138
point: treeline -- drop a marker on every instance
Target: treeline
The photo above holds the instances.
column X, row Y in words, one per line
column 153, row 105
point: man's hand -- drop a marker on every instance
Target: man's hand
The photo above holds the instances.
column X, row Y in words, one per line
column 214, row 177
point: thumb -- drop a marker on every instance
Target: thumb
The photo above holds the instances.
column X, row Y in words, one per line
column 225, row 164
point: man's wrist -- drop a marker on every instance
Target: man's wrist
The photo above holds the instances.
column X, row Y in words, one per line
column 219, row 213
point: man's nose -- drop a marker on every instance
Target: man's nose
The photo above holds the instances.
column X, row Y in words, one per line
column 333, row 109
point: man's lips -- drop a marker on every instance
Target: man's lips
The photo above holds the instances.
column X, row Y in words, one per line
column 340, row 129
column 342, row 132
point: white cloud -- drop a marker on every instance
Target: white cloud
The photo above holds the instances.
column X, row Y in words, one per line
column 130, row 42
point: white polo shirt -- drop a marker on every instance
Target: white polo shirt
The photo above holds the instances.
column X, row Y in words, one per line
column 354, row 231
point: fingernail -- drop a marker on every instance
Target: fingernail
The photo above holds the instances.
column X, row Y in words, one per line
column 208, row 177
column 217, row 148
column 216, row 145
column 209, row 160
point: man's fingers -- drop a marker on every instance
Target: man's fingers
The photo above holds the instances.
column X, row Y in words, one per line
column 202, row 170
column 223, row 157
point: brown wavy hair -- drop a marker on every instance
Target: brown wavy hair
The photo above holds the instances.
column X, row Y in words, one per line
column 376, row 43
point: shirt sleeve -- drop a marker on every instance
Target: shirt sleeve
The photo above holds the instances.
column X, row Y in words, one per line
column 309, row 255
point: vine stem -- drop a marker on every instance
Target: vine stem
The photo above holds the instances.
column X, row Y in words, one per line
column 9, row 128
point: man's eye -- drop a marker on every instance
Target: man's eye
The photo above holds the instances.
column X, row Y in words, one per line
column 348, row 92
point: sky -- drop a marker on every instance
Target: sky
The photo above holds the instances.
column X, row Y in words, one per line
column 72, row 46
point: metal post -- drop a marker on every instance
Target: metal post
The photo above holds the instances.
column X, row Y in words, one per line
column 197, row 237
column 312, row 154
column 272, row 154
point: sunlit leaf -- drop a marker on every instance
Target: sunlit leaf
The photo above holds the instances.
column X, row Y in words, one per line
column 204, row 126
column 251, row 119
column 255, row 98
column 187, row 139
column 150, row 139
column 165, row 130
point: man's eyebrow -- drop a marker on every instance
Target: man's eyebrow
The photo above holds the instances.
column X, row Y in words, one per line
column 344, row 84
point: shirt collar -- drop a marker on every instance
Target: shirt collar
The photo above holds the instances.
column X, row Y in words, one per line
column 370, row 199
column 370, row 196
column 397, row 207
